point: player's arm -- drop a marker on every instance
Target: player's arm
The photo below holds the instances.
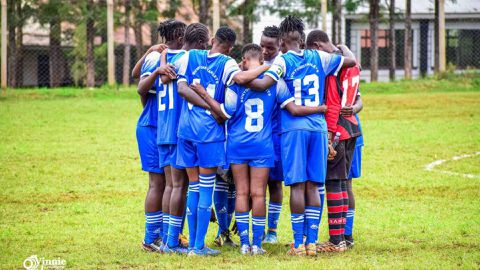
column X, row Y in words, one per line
column 261, row 84
column 354, row 109
column 146, row 82
column 166, row 78
column 215, row 107
column 297, row 110
column 138, row 66
column 273, row 74
column 190, row 96
column 246, row 76
column 349, row 59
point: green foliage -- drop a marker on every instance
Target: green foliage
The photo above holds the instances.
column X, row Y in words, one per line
column 308, row 10
column 79, row 55
column 71, row 186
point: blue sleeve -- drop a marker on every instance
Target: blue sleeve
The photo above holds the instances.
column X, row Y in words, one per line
column 229, row 107
column 331, row 63
column 283, row 95
column 150, row 64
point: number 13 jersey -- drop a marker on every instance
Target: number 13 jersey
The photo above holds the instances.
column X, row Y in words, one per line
column 305, row 73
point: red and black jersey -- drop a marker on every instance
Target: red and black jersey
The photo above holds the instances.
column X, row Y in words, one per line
column 341, row 91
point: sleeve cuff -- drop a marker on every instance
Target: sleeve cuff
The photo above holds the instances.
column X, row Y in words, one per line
column 286, row 102
column 145, row 74
column 230, row 78
column 222, row 108
column 339, row 66
column 181, row 80
column 272, row 75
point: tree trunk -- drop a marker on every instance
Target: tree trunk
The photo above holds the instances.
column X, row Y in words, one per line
column 126, row 49
column 336, row 21
column 436, row 34
column 373, row 18
column 138, row 38
column 203, row 12
column 90, row 46
column 247, row 13
column 56, row 65
column 408, row 40
column 391, row 40
column 12, row 47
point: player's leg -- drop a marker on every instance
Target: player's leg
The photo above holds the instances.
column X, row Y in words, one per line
column 258, row 189
column 210, row 157
column 166, row 203
column 354, row 172
column 220, row 201
column 275, row 189
column 242, row 204
column 232, row 195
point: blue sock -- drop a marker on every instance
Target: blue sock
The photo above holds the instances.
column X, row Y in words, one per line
column 274, row 210
column 174, row 228
column 258, row 229
column 165, row 227
column 231, row 206
column 349, row 225
column 297, row 228
column 153, row 226
column 192, row 205
column 183, row 219
column 312, row 214
column 321, row 191
column 220, row 199
column 243, row 220
column 204, row 208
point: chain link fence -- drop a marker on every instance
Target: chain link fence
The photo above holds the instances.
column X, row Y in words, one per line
column 49, row 50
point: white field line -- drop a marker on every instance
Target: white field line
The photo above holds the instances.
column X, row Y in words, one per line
column 431, row 166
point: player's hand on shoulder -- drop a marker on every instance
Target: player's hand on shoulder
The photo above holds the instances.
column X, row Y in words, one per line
column 158, row 48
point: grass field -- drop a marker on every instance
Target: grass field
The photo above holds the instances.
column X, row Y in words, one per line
column 71, row 185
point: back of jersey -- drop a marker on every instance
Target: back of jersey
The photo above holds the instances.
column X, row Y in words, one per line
column 149, row 114
column 250, row 122
column 169, row 105
column 213, row 72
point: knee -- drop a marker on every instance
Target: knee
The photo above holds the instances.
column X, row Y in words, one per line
column 258, row 194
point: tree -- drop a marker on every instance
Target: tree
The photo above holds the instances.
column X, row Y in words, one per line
column 336, row 21
column 373, row 17
column 391, row 40
column 203, row 14
column 248, row 17
column 90, row 29
column 308, row 10
column 408, row 40
column 126, row 49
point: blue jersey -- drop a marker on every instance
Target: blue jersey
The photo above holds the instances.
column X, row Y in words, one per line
column 169, row 105
column 149, row 113
column 359, row 141
column 249, row 123
column 214, row 72
column 305, row 73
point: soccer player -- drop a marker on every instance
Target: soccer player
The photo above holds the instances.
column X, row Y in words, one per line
column 355, row 170
column 250, row 150
column 224, row 206
column 146, row 138
column 270, row 43
column 304, row 142
column 201, row 139
column 341, row 92
column 179, row 39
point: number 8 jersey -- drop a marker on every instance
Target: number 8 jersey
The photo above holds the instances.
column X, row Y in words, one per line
column 305, row 73
column 249, row 122
column 214, row 72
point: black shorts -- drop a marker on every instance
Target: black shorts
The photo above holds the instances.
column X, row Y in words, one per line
column 339, row 167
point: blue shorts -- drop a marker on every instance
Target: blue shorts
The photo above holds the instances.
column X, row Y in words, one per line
column 167, row 155
column 147, row 147
column 356, row 169
column 304, row 156
column 259, row 163
column 276, row 173
column 205, row 155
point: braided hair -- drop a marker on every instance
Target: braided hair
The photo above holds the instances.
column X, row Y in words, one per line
column 292, row 24
column 196, row 32
column 225, row 35
column 171, row 29
column 271, row 31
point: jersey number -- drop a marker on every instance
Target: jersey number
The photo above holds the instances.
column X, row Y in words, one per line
column 162, row 93
column 257, row 115
column 297, row 84
column 210, row 91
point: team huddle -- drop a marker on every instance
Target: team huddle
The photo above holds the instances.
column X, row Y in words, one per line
column 214, row 131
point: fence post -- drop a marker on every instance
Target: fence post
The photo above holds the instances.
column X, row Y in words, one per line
column 323, row 8
column 4, row 45
column 110, row 48
column 216, row 15
column 441, row 36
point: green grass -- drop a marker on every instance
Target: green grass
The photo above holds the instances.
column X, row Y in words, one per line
column 71, row 185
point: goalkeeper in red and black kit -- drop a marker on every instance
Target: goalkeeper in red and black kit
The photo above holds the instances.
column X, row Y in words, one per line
column 341, row 91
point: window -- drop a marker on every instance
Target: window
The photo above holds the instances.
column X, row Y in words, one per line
column 462, row 48
column 383, row 54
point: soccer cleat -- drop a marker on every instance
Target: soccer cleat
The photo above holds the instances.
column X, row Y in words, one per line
column 153, row 247
column 311, row 249
column 300, row 251
column 331, row 247
column 256, row 250
column 205, row 251
column 349, row 241
column 183, row 241
column 219, row 240
column 225, row 239
column 245, row 250
column 270, row 238
column 174, row 250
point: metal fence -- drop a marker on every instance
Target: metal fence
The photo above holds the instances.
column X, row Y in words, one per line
column 48, row 50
